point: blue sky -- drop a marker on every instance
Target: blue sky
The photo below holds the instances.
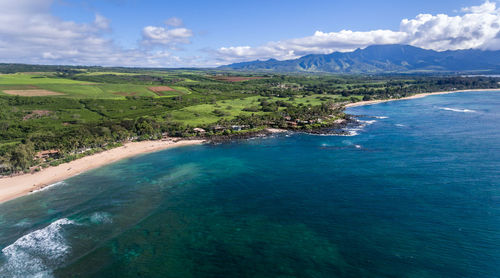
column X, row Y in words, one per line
column 210, row 33
column 223, row 23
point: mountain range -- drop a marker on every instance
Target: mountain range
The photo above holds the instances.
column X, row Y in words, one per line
column 382, row 59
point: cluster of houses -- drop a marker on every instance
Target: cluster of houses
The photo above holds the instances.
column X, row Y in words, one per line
column 291, row 123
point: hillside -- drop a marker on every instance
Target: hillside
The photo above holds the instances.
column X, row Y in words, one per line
column 382, row 59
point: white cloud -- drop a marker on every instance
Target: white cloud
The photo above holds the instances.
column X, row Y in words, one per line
column 154, row 35
column 476, row 27
column 174, row 22
column 29, row 33
column 486, row 7
column 101, row 22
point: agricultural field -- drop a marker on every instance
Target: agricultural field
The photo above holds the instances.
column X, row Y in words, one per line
column 48, row 84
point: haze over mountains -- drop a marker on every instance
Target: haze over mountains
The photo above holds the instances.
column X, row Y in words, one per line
column 382, row 59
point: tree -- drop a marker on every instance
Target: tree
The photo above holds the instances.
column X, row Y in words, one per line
column 21, row 158
column 144, row 128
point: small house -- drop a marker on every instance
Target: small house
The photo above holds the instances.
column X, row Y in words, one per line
column 44, row 155
column 199, row 130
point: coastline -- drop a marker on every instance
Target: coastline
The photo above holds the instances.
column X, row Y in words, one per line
column 18, row 186
column 371, row 102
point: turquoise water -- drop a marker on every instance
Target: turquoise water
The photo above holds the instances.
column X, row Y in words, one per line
column 415, row 192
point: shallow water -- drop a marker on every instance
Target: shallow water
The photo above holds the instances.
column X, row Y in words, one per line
column 415, row 193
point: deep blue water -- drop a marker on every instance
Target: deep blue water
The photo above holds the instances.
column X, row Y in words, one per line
column 414, row 193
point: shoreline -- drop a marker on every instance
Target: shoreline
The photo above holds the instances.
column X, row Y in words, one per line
column 21, row 185
column 421, row 95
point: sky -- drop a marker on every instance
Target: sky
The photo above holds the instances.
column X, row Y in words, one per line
column 188, row 33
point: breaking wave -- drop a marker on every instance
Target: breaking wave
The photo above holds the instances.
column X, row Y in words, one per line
column 368, row 122
column 49, row 186
column 37, row 253
column 458, row 110
column 353, row 131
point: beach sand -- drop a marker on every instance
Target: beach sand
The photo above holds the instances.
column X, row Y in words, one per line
column 370, row 102
column 17, row 186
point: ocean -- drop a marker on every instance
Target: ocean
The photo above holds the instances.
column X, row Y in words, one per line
column 413, row 192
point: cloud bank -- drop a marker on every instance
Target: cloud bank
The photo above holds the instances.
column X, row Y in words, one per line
column 29, row 33
column 475, row 27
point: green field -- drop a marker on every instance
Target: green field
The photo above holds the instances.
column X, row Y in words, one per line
column 201, row 115
column 33, row 79
column 108, row 72
column 83, row 89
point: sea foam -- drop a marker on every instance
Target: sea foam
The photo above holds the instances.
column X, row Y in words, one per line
column 458, row 110
column 353, row 131
column 49, row 186
column 37, row 253
column 101, row 218
column 368, row 122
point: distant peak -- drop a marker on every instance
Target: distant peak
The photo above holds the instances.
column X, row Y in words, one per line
column 383, row 58
column 390, row 46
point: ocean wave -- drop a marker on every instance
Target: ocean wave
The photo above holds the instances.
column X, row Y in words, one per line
column 23, row 223
column 351, row 132
column 400, row 125
column 37, row 253
column 381, row 117
column 101, row 218
column 458, row 110
column 368, row 122
column 354, row 131
column 49, row 186
column 351, row 144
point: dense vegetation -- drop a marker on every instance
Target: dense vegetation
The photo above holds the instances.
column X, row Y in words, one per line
column 98, row 108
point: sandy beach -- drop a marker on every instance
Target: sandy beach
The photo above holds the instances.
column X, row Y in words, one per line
column 370, row 102
column 17, row 186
